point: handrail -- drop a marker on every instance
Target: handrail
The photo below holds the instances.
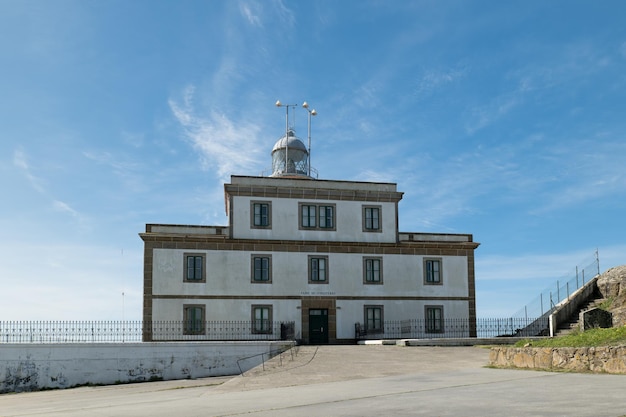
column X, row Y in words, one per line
column 270, row 354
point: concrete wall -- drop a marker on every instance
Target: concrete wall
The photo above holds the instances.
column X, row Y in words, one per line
column 29, row 367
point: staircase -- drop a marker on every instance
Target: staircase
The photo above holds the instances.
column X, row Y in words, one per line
column 573, row 323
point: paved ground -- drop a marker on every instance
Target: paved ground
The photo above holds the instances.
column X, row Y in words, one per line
column 347, row 381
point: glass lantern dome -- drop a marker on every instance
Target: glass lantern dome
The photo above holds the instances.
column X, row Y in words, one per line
column 290, row 157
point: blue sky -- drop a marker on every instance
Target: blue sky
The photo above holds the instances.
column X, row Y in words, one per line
column 500, row 119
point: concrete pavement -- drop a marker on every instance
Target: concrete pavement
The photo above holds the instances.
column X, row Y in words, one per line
column 347, row 381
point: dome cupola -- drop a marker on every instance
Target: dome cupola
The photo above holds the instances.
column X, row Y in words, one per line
column 290, row 157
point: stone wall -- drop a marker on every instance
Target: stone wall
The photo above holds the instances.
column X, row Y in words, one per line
column 608, row 359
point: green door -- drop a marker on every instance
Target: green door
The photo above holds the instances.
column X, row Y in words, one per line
column 318, row 326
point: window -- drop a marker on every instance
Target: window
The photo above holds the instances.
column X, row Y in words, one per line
column 193, row 317
column 262, row 268
column 262, row 319
column 434, row 319
column 318, row 269
column 371, row 219
column 372, row 271
column 374, row 319
column 317, row 216
column 261, row 214
column 432, row 271
column 194, row 267
column 326, row 217
column 308, row 216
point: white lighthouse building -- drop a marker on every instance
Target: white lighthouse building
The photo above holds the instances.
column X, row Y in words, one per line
column 325, row 255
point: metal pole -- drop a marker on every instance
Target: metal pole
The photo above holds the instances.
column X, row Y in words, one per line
column 123, row 324
column 312, row 112
column 286, row 138
column 309, row 161
column 526, row 314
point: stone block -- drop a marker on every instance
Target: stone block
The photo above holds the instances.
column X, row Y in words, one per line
column 523, row 359
column 596, row 318
column 543, row 358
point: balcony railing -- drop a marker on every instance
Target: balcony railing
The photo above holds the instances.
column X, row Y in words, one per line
column 137, row 331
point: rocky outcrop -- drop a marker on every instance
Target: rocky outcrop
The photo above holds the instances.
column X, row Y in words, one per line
column 612, row 286
column 606, row 359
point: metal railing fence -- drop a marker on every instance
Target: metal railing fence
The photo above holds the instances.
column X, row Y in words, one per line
column 561, row 290
column 454, row 328
column 135, row 331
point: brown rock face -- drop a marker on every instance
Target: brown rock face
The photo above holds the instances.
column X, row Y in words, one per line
column 612, row 285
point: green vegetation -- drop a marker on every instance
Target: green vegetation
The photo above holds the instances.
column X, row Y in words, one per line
column 607, row 304
column 614, row 336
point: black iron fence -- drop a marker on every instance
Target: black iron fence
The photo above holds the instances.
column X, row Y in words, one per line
column 454, row 328
column 137, row 331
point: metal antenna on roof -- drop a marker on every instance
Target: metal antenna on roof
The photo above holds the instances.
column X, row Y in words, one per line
column 305, row 105
column 286, row 106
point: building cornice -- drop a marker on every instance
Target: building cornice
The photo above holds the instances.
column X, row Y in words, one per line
column 306, row 189
column 212, row 242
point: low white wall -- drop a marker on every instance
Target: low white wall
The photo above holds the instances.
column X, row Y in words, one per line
column 30, row 367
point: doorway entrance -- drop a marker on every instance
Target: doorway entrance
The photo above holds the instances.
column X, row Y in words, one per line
column 318, row 326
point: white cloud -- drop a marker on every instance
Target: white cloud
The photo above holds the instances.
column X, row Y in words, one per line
column 20, row 161
column 482, row 116
column 434, row 79
column 287, row 16
column 127, row 169
column 136, row 140
column 226, row 146
column 536, row 175
column 119, row 164
column 377, row 176
column 587, row 170
column 64, row 207
column 252, row 16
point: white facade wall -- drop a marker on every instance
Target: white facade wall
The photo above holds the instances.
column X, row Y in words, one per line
column 229, row 273
column 285, row 221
